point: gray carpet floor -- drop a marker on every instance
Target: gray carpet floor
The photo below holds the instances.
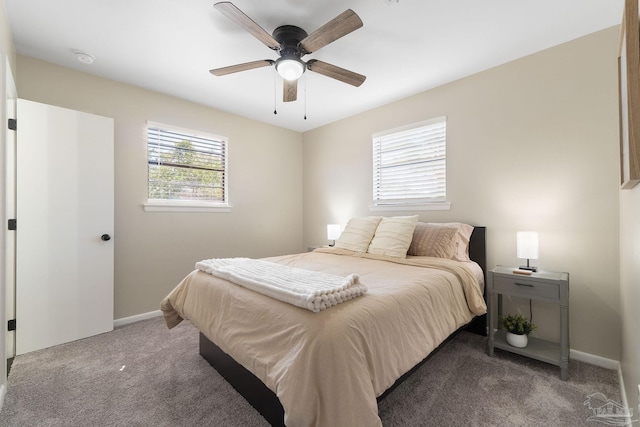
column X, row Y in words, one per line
column 146, row 375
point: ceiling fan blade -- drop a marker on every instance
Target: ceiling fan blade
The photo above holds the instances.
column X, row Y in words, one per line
column 290, row 90
column 336, row 72
column 237, row 16
column 241, row 67
column 339, row 26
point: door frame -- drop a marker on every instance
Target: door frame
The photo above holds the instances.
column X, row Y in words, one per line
column 8, row 97
column 11, row 186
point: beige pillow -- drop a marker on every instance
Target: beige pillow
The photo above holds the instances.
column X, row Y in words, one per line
column 393, row 236
column 443, row 240
column 435, row 240
column 358, row 233
column 462, row 237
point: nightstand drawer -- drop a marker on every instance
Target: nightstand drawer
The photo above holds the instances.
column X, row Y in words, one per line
column 525, row 288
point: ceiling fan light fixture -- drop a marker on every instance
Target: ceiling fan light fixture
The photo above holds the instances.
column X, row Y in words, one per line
column 290, row 68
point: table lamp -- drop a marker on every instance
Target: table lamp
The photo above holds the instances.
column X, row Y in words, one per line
column 527, row 247
column 333, row 233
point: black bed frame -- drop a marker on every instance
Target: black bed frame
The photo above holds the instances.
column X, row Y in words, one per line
column 266, row 402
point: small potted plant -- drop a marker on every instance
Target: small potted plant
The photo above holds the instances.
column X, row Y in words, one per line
column 517, row 329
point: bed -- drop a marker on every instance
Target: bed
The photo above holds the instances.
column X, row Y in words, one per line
column 301, row 368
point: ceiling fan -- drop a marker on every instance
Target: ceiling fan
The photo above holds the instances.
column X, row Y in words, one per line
column 292, row 43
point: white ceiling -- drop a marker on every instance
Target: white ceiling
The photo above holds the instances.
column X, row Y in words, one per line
column 404, row 47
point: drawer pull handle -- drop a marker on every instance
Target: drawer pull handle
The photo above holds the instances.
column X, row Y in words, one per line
column 524, row 284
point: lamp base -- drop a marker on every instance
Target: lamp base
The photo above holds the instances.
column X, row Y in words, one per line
column 528, row 268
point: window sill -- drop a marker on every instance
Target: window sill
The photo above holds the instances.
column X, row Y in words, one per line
column 184, row 206
column 436, row 206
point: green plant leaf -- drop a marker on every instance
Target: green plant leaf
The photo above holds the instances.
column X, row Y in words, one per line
column 516, row 324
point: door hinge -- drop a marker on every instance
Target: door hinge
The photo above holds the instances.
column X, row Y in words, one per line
column 13, row 124
column 11, row 325
column 12, row 224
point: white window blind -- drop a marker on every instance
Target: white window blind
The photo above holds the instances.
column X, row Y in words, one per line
column 186, row 165
column 409, row 164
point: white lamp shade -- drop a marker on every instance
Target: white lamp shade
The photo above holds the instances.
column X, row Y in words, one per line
column 527, row 244
column 333, row 231
column 290, row 69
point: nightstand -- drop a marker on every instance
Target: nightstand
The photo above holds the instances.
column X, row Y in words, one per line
column 542, row 286
column 314, row 247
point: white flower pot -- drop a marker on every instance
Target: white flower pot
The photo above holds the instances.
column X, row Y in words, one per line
column 515, row 340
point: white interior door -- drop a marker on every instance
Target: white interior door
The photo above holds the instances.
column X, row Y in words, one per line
column 64, row 270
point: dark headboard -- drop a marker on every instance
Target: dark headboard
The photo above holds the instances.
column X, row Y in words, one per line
column 478, row 248
column 478, row 253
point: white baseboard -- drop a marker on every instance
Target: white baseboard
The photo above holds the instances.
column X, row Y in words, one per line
column 604, row 363
column 623, row 392
column 3, row 393
column 593, row 359
column 136, row 318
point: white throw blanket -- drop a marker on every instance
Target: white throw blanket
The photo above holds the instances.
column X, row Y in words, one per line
column 312, row 290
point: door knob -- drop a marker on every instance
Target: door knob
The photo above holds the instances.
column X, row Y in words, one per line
column 105, row 237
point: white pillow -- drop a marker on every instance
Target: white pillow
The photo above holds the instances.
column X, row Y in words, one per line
column 358, row 233
column 393, row 236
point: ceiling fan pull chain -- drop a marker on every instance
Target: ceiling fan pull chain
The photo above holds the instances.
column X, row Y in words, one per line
column 275, row 92
column 305, row 97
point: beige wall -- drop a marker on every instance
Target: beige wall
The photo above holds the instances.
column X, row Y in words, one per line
column 6, row 40
column 531, row 145
column 630, row 292
column 154, row 250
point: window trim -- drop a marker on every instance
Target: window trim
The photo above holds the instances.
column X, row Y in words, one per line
column 177, row 205
column 404, row 205
column 159, row 205
column 425, row 206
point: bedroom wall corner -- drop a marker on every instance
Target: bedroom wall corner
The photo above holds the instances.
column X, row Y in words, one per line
column 630, row 293
column 6, row 39
column 524, row 140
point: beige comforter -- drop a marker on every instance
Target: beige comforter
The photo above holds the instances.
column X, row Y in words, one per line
column 328, row 368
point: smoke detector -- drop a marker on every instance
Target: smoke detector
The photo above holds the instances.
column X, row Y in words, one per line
column 83, row 57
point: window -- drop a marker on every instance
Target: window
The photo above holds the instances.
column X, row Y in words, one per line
column 409, row 165
column 186, row 168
